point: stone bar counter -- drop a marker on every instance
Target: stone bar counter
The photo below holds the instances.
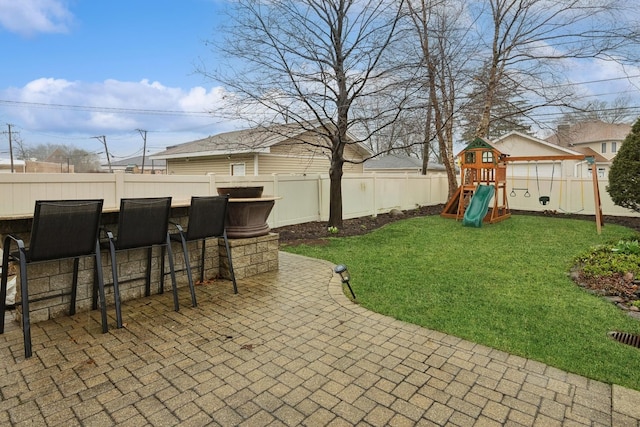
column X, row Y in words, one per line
column 250, row 256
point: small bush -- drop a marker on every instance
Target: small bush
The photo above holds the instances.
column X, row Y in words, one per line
column 621, row 258
column 629, row 247
column 624, row 174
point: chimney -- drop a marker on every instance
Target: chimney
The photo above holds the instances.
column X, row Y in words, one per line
column 563, row 135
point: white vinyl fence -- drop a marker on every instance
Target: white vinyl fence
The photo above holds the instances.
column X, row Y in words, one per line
column 303, row 198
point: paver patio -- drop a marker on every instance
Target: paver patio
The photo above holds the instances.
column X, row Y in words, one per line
column 289, row 349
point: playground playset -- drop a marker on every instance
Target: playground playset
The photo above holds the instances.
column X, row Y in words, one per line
column 483, row 178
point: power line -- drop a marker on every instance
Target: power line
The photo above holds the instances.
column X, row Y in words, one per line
column 593, row 81
column 90, row 108
column 103, row 109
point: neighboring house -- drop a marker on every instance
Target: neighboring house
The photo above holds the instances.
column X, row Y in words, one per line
column 134, row 165
column 282, row 149
column 18, row 166
column 600, row 137
column 32, row 166
column 395, row 163
column 516, row 144
column 593, row 138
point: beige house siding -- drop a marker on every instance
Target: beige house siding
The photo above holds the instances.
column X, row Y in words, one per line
column 305, row 150
column 205, row 165
column 604, row 148
column 260, row 153
column 270, row 164
column 294, row 149
column 516, row 144
column 284, row 158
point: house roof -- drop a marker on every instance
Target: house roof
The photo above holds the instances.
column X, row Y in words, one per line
column 138, row 162
column 479, row 143
column 599, row 158
column 246, row 141
column 538, row 141
column 7, row 162
column 399, row 162
column 588, row 132
column 57, row 157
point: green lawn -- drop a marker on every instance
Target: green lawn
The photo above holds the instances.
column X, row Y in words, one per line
column 504, row 285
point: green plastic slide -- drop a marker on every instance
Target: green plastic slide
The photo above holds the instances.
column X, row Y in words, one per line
column 478, row 206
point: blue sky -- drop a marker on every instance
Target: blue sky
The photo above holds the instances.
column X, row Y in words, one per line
column 133, row 59
column 139, row 54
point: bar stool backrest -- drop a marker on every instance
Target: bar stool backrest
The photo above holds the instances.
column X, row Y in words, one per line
column 143, row 222
column 64, row 229
column 207, row 217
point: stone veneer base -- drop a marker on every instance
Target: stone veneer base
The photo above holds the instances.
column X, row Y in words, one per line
column 250, row 256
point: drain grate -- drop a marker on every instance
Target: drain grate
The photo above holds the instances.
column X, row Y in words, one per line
column 625, row 338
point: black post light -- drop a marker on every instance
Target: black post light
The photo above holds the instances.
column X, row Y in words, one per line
column 342, row 270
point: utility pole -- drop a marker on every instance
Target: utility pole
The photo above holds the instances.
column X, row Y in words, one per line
column 10, row 148
column 10, row 145
column 103, row 139
column 143, row 133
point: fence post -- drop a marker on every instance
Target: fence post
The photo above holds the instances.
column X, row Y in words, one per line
column 212, row 184
column 119, row 187
column 276, row 208
column 375, row 194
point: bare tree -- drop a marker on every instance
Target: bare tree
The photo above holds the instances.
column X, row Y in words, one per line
column 311, row 62
column 528, row 42
column 618, row 110
column 82, row 160
column 445, row 49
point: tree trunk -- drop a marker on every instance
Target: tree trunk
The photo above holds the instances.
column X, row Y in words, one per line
column 335, row 191
column 426, row 143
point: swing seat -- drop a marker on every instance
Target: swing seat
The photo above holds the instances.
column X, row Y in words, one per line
column 544, row 200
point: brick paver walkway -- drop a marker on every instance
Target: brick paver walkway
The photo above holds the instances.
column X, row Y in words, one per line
column 290, row 349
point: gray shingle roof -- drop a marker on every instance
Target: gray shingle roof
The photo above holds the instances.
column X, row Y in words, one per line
column 255, row 140
column 395, row 161
column 138, row 162
column 587, row 132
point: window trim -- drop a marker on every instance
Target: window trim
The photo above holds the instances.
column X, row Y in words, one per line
column 232, row 167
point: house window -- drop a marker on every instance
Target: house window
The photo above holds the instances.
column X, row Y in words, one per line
column 614, row 147
column 469, row 157
column 604, row 147
column 601, row 172
column 487, row 157
column 237, row 169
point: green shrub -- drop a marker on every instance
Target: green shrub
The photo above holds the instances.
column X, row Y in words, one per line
column 629, row 247
column 624, row 175
column 606, row 260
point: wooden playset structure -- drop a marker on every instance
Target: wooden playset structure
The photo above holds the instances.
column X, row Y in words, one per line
column 483, row 164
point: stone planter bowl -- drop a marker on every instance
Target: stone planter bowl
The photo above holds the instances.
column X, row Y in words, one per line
column 241, row 192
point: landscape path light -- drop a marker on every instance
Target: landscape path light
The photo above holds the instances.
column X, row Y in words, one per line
column 343, row 271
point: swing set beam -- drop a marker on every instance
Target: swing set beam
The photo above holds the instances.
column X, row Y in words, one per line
column 542, row 158
column 594, row 175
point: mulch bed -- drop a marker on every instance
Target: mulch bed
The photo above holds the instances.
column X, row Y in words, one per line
column 315, row 232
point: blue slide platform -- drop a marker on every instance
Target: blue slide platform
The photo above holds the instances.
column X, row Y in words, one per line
column 478, row 206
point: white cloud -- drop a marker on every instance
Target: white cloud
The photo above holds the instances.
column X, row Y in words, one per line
column 29, row 17
column 49, row 108
column 59, row 105
column 605, row 79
